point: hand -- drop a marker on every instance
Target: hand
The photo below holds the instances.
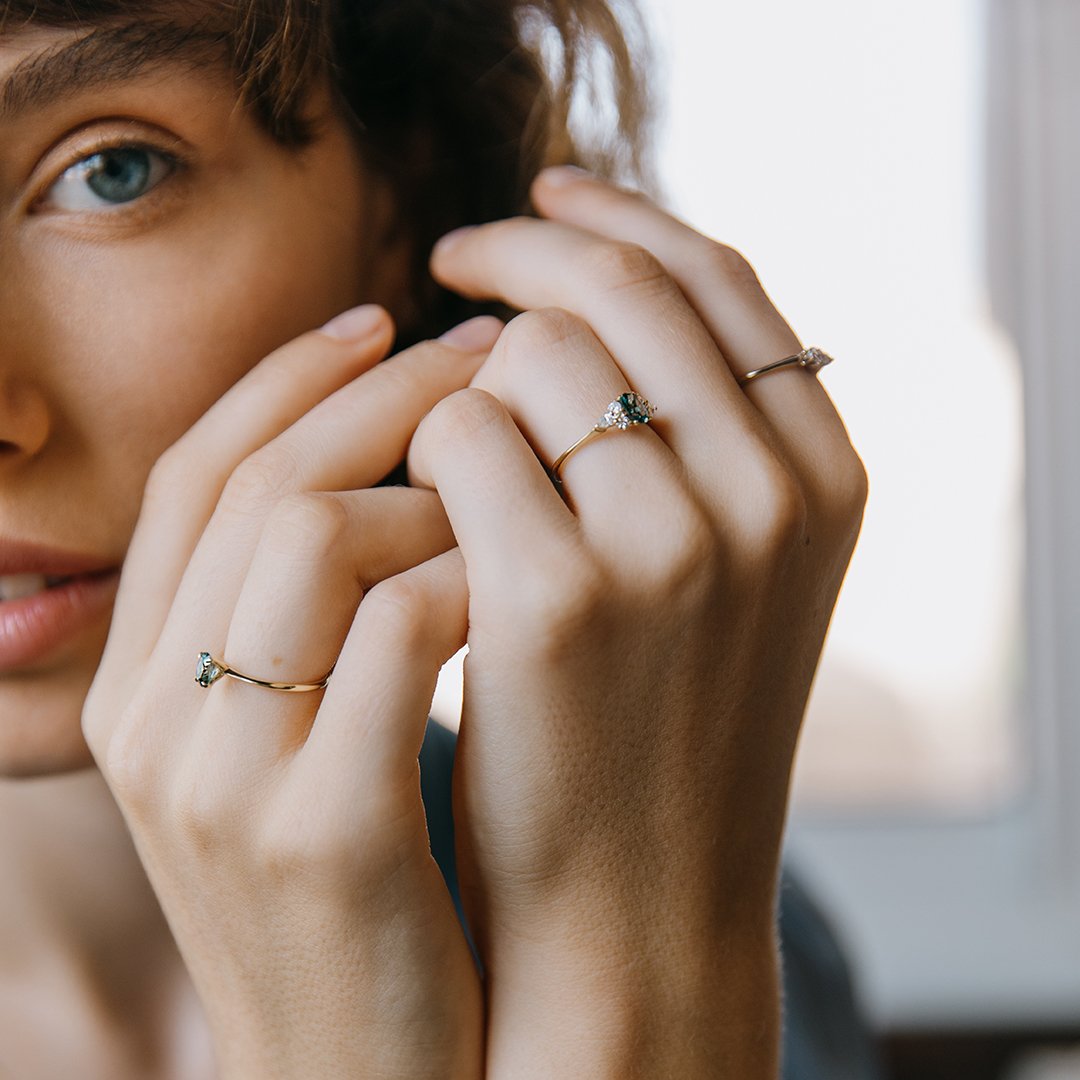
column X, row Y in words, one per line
column 284, row 833
column 640, row 654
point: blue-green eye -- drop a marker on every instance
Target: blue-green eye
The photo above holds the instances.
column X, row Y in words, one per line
column 110, row 177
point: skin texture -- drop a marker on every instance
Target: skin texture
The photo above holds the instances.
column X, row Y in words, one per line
column 121, row 329
column 641, row 646
column 659, row 636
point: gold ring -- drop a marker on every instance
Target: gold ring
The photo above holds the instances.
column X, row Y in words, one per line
column 813, row 359
column 627, row 410
column 209, row 669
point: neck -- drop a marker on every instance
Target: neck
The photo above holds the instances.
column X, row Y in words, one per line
column 76, row 909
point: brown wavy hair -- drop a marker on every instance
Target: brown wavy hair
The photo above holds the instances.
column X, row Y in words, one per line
column 459, row 103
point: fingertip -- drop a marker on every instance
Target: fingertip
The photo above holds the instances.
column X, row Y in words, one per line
column 358, row 324
column 450, row 241
column 474, row 335
column 449, row 427
column 563, row 176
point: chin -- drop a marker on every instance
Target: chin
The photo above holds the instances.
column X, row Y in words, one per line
column 41, row 724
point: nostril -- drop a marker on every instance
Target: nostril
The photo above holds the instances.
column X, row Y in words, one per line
column 25, row 420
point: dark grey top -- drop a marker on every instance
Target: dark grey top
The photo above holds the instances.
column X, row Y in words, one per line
column 825, row 1036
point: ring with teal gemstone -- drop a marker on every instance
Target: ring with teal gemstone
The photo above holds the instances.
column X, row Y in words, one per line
column 627, row 410
column 208, row 669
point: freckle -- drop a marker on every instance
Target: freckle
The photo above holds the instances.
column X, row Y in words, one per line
column 276, row 662
column 807, row 541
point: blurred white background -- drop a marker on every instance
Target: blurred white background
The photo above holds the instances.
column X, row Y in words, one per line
column 839, row 146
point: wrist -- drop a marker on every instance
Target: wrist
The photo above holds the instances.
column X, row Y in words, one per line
column 442, row 1044
column 691, row 1009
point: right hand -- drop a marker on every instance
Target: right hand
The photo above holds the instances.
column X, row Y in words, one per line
column 284, row 833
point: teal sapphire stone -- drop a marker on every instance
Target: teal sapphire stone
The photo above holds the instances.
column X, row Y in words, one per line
column 207, row 671
column 628, row 409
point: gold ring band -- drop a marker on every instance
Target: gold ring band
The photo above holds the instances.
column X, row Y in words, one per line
column 627, row 410
column 812, row 359
column 209, row 669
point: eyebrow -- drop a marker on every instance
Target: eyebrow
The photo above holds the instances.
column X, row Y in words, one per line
column 108, row 55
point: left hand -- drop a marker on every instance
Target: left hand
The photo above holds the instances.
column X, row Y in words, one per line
column 640, row 654
column 284, row 834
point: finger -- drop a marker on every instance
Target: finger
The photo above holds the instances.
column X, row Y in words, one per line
column 370, row 727
column 723, row 289
column 556, row 380
column 636, row 310
column 318, row 554
column 187, row 481
column 505, row 512
column 362, row 430
column 349, row 441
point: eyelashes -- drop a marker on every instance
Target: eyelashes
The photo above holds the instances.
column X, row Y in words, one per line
column 109, row 178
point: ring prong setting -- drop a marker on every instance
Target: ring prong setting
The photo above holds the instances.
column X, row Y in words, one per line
column 626, row 411
column 814, row 359
column 207, row 670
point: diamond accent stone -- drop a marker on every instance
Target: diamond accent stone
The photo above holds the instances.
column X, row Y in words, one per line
column 813, row 359
column 207, row 672
column 627, row 410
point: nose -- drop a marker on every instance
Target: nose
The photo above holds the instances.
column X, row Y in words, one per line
column 25, row 415
column 24, row 419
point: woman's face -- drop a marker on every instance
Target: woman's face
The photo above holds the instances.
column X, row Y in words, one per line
column 155, row 244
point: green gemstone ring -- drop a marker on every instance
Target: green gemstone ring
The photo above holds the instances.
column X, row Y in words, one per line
column 627, row 410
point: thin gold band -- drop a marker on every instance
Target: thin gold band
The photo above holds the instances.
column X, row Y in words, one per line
column 626, row 411
column 812, row 359
column 209, row 669
column 566, row 453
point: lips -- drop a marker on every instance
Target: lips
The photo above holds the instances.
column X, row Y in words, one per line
column 47, row 597
column 17, row 557
column 18, row 586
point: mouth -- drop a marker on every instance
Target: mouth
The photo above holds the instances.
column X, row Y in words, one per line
column 20, row 586
column 40, row 613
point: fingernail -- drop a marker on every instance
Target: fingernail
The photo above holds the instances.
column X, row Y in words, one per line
column 355, row 324
column 561, row 175
column 475, row 334
column 451, row 238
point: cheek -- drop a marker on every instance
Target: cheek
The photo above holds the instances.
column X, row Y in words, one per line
column 157, row 332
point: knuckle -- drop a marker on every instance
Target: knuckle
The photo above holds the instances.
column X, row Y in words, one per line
column 308, row 521
column 297, row 848
column 541, row 329
column 166, row 476
column 92, row 720
column 848, row 489
column 729, row 264
column 620, row 266
column 464, row 413
column 201, row 812
column 408, row 375
column 400, row 604
column 775, row 520
column 692, row 561
column 853, row 481
column 128, row 760
column 554, row 612
column 256, row 483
